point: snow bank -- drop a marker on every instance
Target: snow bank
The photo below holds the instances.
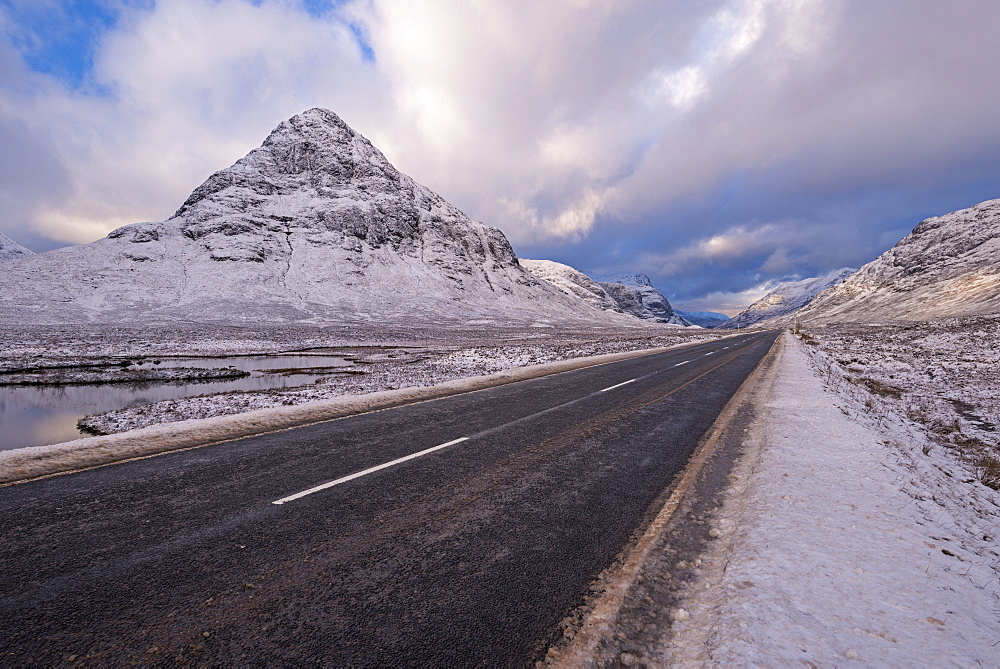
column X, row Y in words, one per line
column 826, row 552
column 26, row 463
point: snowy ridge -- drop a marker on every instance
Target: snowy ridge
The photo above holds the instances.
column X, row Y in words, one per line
column 9, row 249
column 948, row 266
column 313, row 226
column 637, row 297
column 786, row 298
column 572, row 282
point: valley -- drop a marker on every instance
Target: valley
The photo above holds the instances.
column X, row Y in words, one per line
column 311, row 315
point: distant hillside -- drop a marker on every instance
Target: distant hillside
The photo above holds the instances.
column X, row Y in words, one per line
column 572, row 282
column 948, row 266
column 9, row 249
column 636, row 296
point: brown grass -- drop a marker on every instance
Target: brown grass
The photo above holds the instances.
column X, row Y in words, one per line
column 988, row 471
column 876, row 387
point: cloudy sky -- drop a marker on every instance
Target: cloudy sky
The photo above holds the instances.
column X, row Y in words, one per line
column 717, row 146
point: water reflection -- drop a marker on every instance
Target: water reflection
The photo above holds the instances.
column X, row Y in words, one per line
column 37, row 415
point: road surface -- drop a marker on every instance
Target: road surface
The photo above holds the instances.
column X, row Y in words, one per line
column 456, row 531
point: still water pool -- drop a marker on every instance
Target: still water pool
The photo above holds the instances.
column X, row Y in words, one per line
column 38, row 415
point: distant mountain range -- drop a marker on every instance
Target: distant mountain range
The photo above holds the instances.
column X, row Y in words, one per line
column 785, row 299
column 9, row 249
column 706, row 319
column 629, row 294
column 317, row 226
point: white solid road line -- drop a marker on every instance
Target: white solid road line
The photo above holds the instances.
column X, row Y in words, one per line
column 356, row 475
column 618, row 386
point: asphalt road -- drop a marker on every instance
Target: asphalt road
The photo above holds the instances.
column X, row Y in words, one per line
column 468, row 554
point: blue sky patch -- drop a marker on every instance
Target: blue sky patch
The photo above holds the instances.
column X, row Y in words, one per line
column 59, row 39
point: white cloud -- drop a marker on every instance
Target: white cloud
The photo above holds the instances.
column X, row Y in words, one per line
column 728, row 302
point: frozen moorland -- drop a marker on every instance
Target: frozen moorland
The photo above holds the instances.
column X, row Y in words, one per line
column 384, row 359
column 861, row 525
column 940, row 380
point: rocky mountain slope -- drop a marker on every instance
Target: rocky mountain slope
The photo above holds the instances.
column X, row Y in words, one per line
column 706, row 319
column 9, row 249
column 636, row 296
column 786, row 298
column 948, row 266
column 313, row 226
column 572, row 282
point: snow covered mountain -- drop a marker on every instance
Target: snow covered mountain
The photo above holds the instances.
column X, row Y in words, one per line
column 948, row 266
column 636, row 296
column 572, row 282
column 706, row 319
column 9, row 249
column 786, row 298
column 315, row 226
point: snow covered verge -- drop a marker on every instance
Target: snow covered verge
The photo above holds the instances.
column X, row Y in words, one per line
column 855, row 530
column 479, row 364
column 844, row 539
column 940, row 379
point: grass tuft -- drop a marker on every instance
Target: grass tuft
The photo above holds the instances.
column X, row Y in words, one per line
column 988, row 471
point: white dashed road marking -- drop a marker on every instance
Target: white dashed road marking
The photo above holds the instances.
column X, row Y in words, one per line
column 370, row 470
column 618, row 386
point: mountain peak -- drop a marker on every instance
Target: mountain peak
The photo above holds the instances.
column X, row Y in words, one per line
column 320, row 127
column 312, row 152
